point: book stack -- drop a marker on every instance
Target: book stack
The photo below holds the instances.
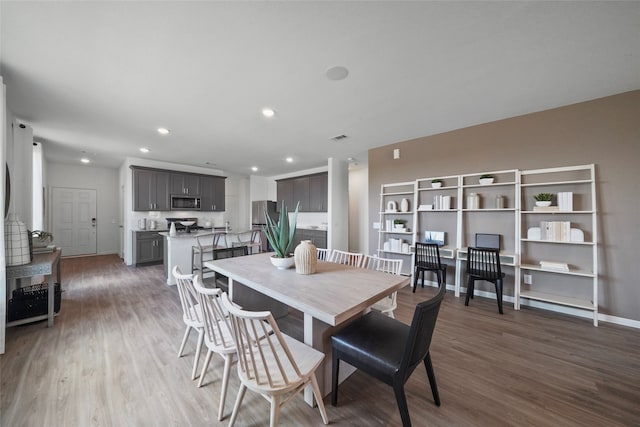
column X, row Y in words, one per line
column 552, row 265
column 441, row 202
column 565, row 201
column 558, row 231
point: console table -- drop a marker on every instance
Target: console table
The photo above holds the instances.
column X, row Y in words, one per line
column 42, row 265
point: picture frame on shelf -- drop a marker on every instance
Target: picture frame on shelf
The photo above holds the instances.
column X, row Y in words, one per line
column 436, row 237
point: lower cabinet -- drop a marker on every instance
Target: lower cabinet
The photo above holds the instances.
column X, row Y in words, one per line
column 317, row 237
column 148, row 247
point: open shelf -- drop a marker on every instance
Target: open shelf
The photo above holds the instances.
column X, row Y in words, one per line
column 556, row 299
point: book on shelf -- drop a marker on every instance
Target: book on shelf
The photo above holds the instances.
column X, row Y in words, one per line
column 546, row 209
column 565, row 201
column 558, row 231
column 553, row 265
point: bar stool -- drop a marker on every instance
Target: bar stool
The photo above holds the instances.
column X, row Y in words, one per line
column 203, row 251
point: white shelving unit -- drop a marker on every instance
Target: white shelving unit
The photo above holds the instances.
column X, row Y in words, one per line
column 433, row 217
column 564, row 287
column 395, row 193
column 489, row 217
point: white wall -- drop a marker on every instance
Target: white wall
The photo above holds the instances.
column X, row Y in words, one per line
column 105, row 182
column 338, row 212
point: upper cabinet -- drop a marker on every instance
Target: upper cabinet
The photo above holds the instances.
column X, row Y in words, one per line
column 310, row 191
column 150, row 190
column 212, row 193
column 185, row 183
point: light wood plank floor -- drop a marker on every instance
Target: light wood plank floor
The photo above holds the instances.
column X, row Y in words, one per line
column 111, row 360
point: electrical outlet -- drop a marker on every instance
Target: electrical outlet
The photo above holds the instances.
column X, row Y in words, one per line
column 528, row 279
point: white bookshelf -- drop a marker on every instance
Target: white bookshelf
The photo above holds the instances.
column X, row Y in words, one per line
column 396, row 192
column 581, row 257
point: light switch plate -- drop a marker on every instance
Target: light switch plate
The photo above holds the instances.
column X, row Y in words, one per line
column 528, row 279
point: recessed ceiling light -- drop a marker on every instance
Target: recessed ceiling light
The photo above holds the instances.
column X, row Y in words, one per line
column 144, row 150
column 289, row 159
column 254, row 168
column 85, row 160
column 337, row 73
column 268, row 112
column 163, row 131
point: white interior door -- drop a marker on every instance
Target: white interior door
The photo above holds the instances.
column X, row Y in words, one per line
column 74, row 220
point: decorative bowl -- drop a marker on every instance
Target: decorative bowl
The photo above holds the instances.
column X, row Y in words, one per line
column 282, row 263
column 543, row 203
column 187, row 223
column 485, row 181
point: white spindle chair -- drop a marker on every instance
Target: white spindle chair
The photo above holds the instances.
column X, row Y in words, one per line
column 388, row 304
column 323, row 254
column 349, row 258
column 274, row 365
column 191, row 313
column 218, row 337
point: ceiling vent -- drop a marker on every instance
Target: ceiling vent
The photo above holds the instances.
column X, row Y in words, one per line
column 339, row 137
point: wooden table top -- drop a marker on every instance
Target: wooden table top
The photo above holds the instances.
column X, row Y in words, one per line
column 333, row 294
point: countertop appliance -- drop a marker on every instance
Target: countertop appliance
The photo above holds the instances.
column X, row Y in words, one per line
column 183, row 203
column 180, row 227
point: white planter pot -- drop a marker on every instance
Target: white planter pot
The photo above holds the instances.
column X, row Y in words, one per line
column 543, row 203
column 436, row 184
column 282, row 263
column 485, row 181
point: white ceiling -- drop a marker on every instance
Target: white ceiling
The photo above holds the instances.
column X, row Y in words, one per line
column 100, row 77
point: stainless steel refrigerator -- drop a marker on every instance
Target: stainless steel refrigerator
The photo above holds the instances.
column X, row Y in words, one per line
column 258, row 208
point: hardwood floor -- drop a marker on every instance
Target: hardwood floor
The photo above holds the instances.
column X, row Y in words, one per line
column 111, row 360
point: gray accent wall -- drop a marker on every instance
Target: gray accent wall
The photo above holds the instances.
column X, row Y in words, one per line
column 604, row 131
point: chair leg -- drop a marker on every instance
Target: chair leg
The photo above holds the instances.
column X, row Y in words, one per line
column 236, row 407
column 184, row 340
column 422, row 277
column 207, row 360
column 198, row 351
column 432, row 378
column 334, row 378
column 470, row 284
column 444, row 277
column 401, row 399
column 228, row 358
column 415, row 280
column 499, row 294
column 275, row 411
column 319, row 401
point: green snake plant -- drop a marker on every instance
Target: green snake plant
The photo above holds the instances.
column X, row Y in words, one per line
column 280, row 235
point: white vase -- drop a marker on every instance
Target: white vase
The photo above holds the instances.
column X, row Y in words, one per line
column 282, row 263
column 404, row 205
column 16, row 242
column 306, row 257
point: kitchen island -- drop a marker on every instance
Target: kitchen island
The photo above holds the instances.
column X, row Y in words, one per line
column 177, row 251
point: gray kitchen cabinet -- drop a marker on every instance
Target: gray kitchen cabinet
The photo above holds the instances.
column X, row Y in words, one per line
column 317, row 237
column 285, row 193
column 185, row 183
column 318, row 193
column 310, row 190
column 212, row 193
column 150, row 190
column 148, row 247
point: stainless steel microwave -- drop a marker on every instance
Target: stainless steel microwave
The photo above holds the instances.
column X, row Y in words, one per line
column 185, row 203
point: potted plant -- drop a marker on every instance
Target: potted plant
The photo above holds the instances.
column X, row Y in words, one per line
column 543, row 199
column 280, row 236
column 436, row 183
column 41, row 239
column 398, row 224
column 485, row 179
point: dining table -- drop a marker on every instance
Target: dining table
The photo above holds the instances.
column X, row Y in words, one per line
column 328, row 299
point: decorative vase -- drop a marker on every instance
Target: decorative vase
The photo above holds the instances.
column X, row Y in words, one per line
column 282, row 263
column 16, row 242
column 306, row 257
column 172, row 230
column 473, row 201
column 404, row 205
